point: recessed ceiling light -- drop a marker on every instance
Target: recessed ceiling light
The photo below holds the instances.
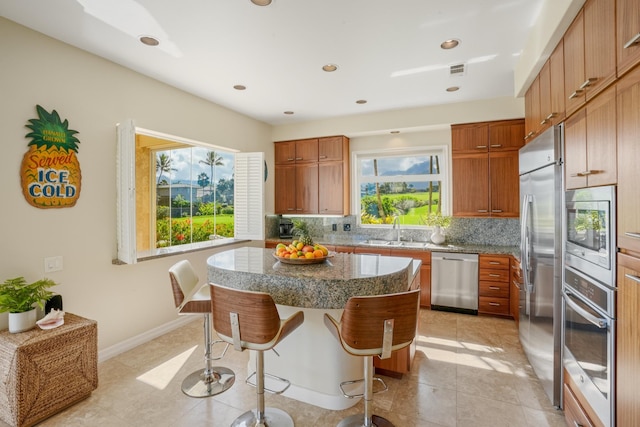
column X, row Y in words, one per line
column 288, row 112
column 361, row 101
column 239, row 87
column 149, row 41
column 395, row 131
column 453, row 88
column 450, row 44
column 261, row 2
column 329, row 68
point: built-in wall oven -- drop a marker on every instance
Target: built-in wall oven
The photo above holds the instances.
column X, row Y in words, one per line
column 589, row 296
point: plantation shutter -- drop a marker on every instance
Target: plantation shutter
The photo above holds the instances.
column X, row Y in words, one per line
column 126, row 192
column 249, row 196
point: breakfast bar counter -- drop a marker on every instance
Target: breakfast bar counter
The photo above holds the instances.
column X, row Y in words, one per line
column 311, row 358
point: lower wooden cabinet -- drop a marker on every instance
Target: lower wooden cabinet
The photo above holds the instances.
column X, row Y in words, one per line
column 425, row 272
column 493, row 288
column 576, row 411
column 515, row 285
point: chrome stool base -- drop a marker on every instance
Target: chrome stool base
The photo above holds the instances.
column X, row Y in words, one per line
column 273, row 417
column 199, row 384
column 359, row 421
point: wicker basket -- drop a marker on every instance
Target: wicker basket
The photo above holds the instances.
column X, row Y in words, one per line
column 45, row 371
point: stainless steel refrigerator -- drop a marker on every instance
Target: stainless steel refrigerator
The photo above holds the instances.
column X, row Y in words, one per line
column 542, row 207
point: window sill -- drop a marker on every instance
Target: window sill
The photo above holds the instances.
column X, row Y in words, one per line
column 182, row 249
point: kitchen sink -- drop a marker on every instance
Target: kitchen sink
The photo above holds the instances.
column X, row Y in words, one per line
column 375, row 242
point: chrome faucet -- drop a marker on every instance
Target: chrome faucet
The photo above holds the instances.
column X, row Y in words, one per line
column 396, row 222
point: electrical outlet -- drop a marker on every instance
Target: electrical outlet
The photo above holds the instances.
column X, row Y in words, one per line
column 52, row 264
column 346, row 227
column 334, row 227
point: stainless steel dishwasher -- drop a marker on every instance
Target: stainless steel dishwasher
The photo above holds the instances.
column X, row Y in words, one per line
column 454, row 282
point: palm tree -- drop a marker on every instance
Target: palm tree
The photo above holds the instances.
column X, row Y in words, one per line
column 212, row 160
column 163, row 164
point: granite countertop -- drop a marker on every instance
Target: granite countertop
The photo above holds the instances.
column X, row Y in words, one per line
column 429, row 247
column 327, row 285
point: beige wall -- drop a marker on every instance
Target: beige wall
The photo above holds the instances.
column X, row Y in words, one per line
column 94, row 94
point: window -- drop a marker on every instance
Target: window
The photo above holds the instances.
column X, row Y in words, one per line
column 407, row 183
column 175, row 194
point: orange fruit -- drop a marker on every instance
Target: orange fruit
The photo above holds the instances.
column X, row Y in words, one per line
column 293, row 255
column 308, row 255
column 318, row 253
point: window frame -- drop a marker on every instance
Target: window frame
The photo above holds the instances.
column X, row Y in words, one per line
column 445, row 177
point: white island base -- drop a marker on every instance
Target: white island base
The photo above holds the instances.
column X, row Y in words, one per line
column 313, row 360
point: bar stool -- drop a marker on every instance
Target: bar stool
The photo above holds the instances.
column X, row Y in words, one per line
column 250, row 321
column 193, row 299
column 374, row 326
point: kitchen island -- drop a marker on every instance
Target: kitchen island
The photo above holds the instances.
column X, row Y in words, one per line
column 311, row 357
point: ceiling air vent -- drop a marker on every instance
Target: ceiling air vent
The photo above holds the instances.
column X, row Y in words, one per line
column 457, row 70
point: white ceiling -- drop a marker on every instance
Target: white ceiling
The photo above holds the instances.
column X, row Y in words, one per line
column 388, row 51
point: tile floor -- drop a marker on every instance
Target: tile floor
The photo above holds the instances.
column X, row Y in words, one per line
column 468, row 371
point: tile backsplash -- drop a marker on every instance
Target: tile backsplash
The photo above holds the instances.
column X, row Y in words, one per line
column 469, row 231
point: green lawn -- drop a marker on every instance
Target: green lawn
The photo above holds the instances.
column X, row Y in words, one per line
column 414, row 216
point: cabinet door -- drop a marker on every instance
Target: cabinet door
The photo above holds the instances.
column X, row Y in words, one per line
column 470, row 138
column 332, row 149
column 628, row 40
column 601, row 139
column 628, row 112
column 545, row 96
column 506, row 135
column 307, row 150
column 532, row 110
column 330, row 188
column 599, row 46
column 285, row 152
column 504, row 184
column 575, row 148
column 470, row 185
column 628, row 342
column 556, row 72
column 574, row 65
column 285, row 185
column 306, row 188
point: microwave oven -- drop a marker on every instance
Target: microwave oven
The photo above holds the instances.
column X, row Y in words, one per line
column 590, row 232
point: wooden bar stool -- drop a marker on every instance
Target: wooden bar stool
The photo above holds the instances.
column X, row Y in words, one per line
column 374, row 326
column 193, row 299
column 250, row 321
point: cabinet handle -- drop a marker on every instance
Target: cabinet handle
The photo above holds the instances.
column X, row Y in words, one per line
column 291, row 209
column 551, row 116
column 634, row 40
column 517, row 285
column 496, row 304
column 482, row 211
column 323, row 157
column 290, row 159
column 480, row 147
column 576, row 94
column 494, row 262
column 298, row 209
column 496, row 210
column 299, row 158
column 544, row 122
column 493, row 275
column 583, row 173
column 634, row 235
column 530, row 134
column 577, row 424
column 496, row 145
column 588, row 82
column 632, row 277
column 494, row 288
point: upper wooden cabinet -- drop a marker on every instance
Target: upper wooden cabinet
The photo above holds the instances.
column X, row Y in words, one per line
column 628, row 99
column 589, row 53
column 628, row 34
column 552, row 110
column 485, row 170
column 312, row 176
column 300, row 151
column 532, row 111
column 590, row 141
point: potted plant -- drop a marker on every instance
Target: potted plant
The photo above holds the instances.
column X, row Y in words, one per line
column 19, row 298
column 438, row 222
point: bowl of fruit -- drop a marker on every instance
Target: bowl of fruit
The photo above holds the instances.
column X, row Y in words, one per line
column 297, row 252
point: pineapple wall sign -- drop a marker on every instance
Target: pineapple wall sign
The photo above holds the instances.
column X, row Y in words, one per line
column 50, row 172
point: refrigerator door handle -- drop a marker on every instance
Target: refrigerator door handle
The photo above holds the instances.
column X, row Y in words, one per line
column 524, row 241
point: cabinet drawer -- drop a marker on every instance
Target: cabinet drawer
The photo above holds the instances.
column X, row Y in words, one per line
column 573, row 412
column 494, row 275
column 494, row 262
column 493, row 305
column 494, row 289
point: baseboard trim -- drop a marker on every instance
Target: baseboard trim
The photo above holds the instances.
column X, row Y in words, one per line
column 147, row 336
